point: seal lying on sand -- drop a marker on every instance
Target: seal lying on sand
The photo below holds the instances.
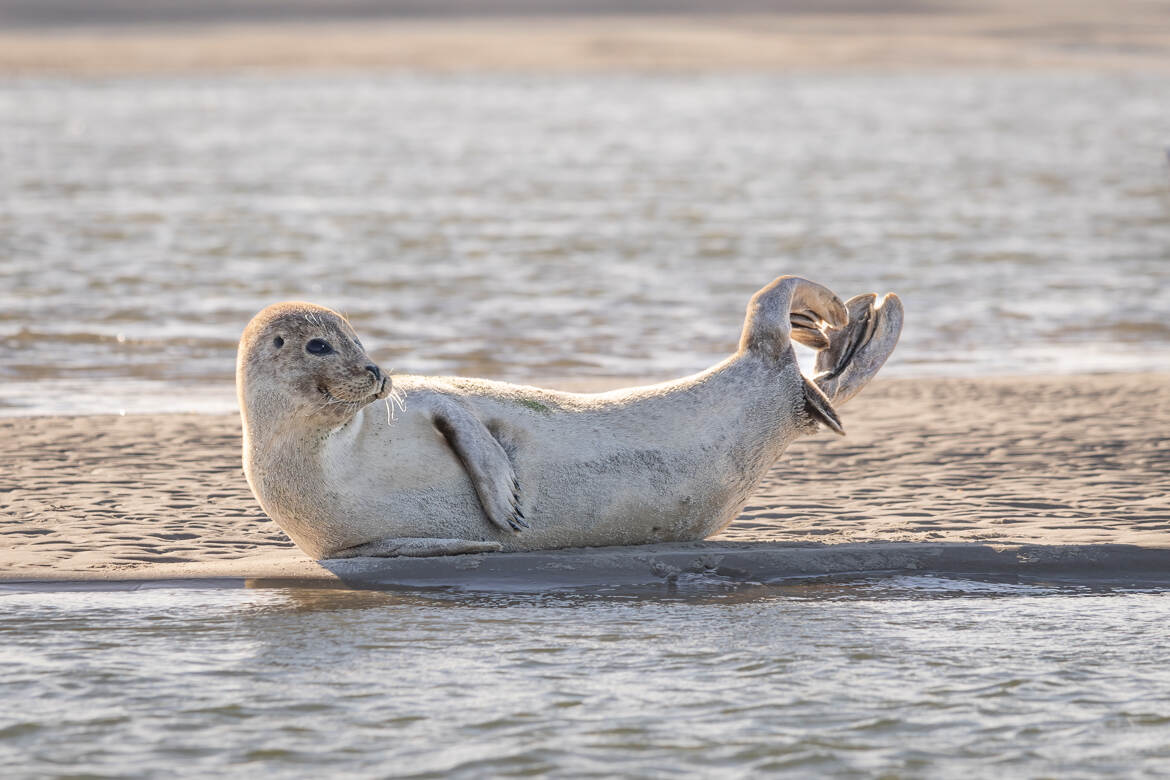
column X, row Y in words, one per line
column 472, row 466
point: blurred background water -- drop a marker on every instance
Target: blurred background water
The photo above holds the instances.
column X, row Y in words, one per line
column 537, row 227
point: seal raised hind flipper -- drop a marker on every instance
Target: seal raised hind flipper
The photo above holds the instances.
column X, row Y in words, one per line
column 472, row 465
column 856, row 351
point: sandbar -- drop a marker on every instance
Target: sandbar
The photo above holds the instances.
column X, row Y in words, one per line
column 1062, row 475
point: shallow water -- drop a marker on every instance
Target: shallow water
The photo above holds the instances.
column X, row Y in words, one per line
column 533, row 227
column 910, row 676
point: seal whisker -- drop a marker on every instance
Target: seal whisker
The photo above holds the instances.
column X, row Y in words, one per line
column 398, row 397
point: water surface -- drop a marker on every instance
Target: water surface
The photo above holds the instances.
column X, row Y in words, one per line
column 912, row 676
column 530, row 227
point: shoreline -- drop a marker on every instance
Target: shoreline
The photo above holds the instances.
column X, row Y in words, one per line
column 796, row 37
column 727, row 564
column 1066, row 471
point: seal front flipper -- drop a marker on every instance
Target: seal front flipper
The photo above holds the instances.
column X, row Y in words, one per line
column 486, row 463
column 415, row 548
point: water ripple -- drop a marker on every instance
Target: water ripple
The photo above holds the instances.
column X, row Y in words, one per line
column 869, row 677
column 529, row 227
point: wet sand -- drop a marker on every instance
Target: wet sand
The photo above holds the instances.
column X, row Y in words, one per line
column 1008, row 474
column 62, row 37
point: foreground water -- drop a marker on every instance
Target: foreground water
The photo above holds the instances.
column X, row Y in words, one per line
column 524, row 227
column 908, row 676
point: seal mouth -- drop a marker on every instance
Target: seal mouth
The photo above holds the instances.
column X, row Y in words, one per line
column 332, row 399
column 382, row 390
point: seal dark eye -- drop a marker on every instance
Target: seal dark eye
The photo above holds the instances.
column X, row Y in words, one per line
column 278, row 342
column 318, row 347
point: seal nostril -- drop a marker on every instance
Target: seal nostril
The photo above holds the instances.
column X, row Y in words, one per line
column 374, row 371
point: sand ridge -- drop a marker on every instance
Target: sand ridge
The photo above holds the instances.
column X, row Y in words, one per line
column 1048, row 460
column 103, row 492
column 579, row 36
column 1077, row 460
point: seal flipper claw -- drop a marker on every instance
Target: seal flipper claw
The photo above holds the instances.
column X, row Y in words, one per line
column 486, row 463
column 808, row 329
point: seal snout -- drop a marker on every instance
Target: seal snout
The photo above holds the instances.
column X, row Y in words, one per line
column 370, row 372
column 382, row 383
column 384, row 388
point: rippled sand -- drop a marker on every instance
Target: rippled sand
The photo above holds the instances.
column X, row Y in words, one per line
column 1043, row 461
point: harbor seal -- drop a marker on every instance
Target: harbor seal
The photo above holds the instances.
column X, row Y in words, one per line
column 470, row 465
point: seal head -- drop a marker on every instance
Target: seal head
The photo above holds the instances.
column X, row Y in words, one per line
column 304, row 363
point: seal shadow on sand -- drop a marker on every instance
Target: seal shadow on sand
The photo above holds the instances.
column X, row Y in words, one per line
column 748, row 563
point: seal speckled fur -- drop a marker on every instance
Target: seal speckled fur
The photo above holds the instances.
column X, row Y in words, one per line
column 471, row 465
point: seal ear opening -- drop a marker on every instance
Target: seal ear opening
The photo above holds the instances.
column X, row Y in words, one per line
column 818, row 407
